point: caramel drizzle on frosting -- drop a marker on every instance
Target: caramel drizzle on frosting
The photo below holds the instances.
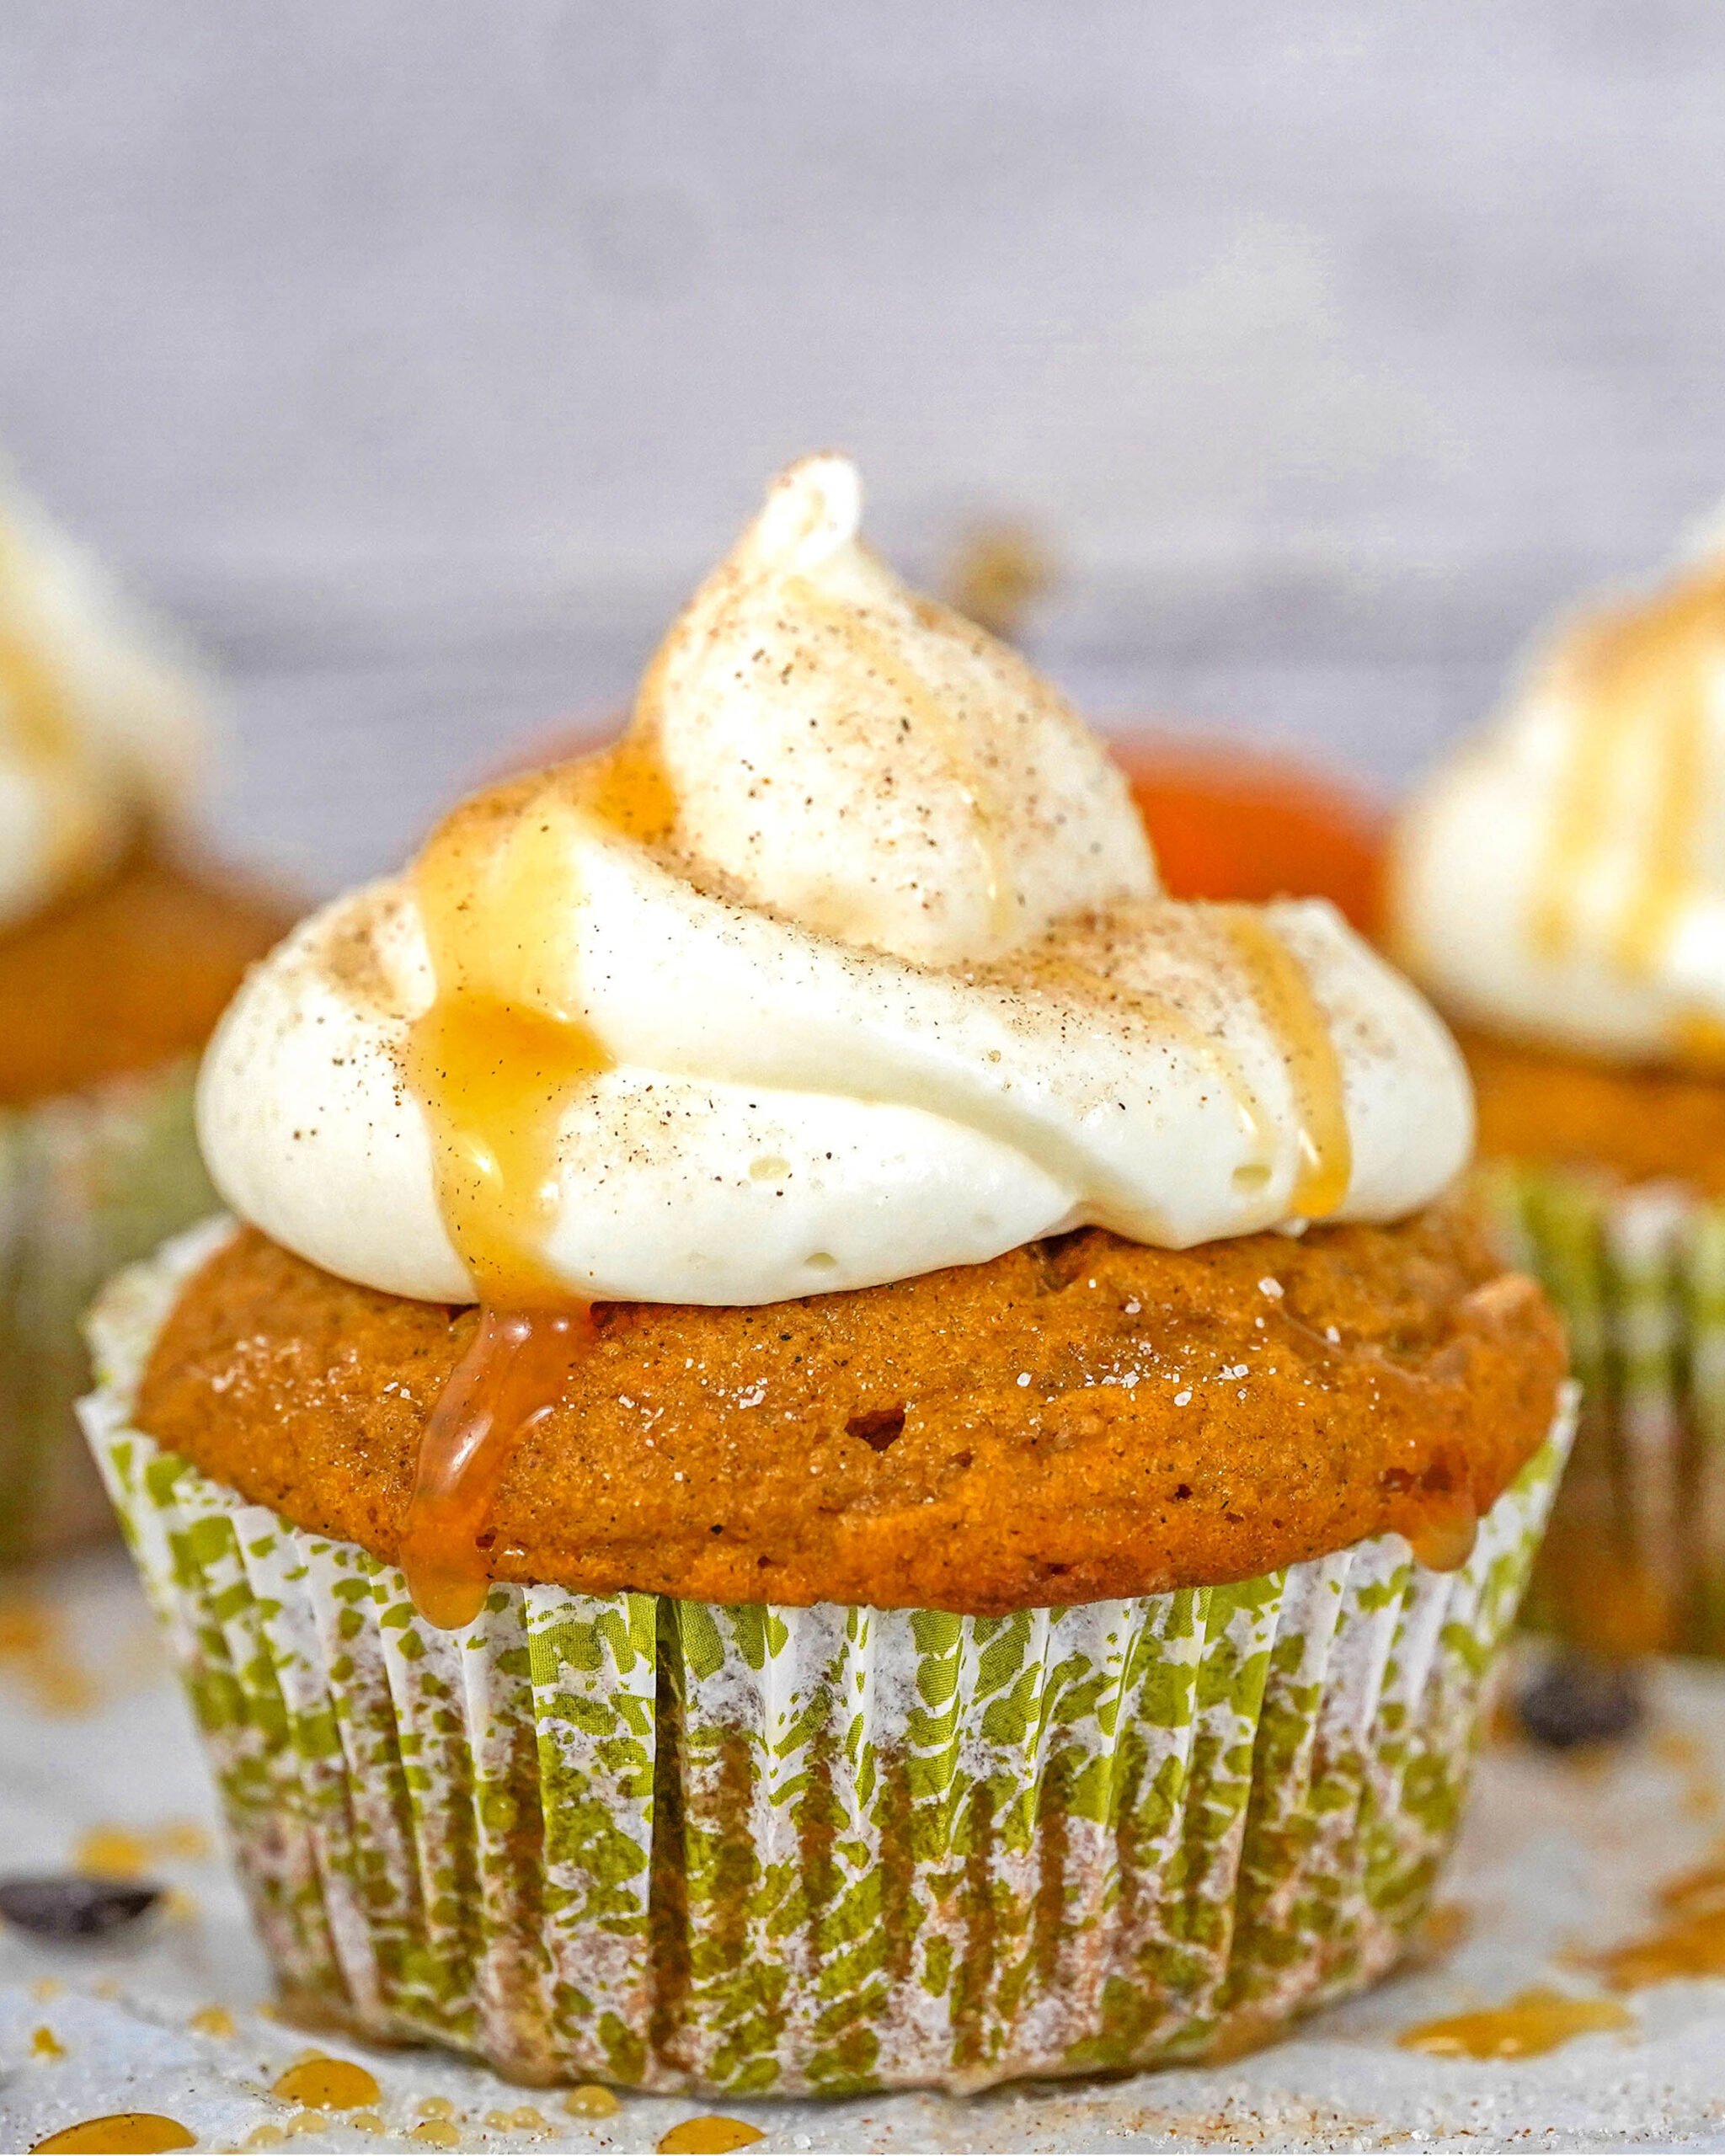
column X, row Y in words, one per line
column 1301, row 1031
column 493, row 1062
column 1641, row 681
column 39, row 714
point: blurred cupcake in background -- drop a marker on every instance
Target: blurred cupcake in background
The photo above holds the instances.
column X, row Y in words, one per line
column 117, row 953
column 837, row 1446
column 1558, row 886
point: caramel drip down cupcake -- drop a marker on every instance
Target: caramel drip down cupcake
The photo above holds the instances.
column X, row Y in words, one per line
column 836, row 1446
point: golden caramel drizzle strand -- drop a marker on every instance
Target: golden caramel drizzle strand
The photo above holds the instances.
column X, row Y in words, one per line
column 34, row 701
column 1641, row 681
column 494, row 1062
column 1301, row 1032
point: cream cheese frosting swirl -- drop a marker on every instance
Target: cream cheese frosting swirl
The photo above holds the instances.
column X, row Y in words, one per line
column 848, row 963
column 97, row 724
column 1562, row 876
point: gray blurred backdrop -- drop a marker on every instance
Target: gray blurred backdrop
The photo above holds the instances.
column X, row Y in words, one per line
column 421, row 353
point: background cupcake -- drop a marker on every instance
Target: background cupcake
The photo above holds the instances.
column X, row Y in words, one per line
column 1559, row 885
column 924, row 1565
column 116, row 955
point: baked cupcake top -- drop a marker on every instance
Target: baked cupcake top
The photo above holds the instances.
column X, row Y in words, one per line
column 848, row 962
column 1560, row 879
column 99, row 730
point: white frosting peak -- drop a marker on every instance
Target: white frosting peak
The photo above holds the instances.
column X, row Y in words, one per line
column 1563, row 876
column 98, row 729
column 846, row 964
column 869, row 762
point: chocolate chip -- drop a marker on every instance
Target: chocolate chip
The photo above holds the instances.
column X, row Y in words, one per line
column 1577, row 1698
column 68, row 1905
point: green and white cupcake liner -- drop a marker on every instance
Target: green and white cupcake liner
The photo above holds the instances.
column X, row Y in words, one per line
column 682, row 1847
column 88, row 1181
column 1638, row 1273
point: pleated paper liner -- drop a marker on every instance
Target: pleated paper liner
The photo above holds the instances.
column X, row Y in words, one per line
column 88, row 1181
column 681, row 1846
column 1634, row 1559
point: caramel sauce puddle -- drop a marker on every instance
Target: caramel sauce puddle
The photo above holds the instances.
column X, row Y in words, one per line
column 1533, row 2022
column 494, row 1062
column 1689, row 1942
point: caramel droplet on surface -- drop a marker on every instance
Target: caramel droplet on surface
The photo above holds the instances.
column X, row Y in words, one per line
column 118, row 2133
column 111, row 1852
column 329, row 2085
column 1443, row 1541
column 437, row 2133
column 213, row 2021
column 591, row 2102
column 1690, row 1943
column 513, row 1372
column 1534, row 2021
column 45, row 2044
column 709, row 2135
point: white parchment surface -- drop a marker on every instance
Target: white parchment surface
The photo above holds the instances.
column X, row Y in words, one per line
column 1560, row 1856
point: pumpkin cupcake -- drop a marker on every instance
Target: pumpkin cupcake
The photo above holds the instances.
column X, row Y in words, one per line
column 1559, row 886
column 117, row 953
column 837, row 1446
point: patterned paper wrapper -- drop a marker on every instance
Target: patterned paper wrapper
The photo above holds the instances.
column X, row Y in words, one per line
column 1634, row 1559
column 88, row 1181
column 683, row 1847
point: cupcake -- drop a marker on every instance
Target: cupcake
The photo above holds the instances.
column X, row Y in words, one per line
column 117, row 954
column 833, row 1446
column 1558, row 885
